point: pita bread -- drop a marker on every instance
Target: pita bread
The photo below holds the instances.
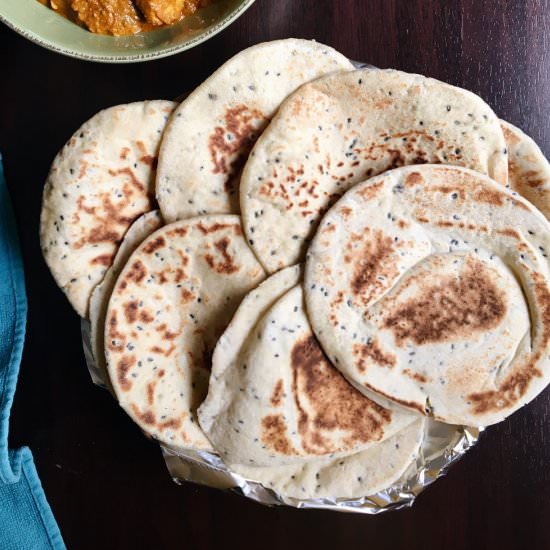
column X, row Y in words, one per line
column 170, row 304
column 430, row 286
column 275, row 399
column 99, row 183
column 341, row 129
column 355, row 476
column 528, row 169
column 99, row 300
column 211, row 133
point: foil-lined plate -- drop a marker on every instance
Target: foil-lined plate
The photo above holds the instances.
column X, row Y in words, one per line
column 443, row 444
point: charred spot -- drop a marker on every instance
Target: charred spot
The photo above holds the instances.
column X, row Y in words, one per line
column 137, row 272
column 131, row 311
column 230, row 144
column 274, row 434
column 510, row 233
column 450, row 308
column 227, row 266
column 145, row 316
column 277, row 395
column 122, row 369
column 103, row 259
column 151, row 392
column 154, row 245
column 489, row 196
column 186, row 296
column 415, row 178
column 371, row 351
column 147, row 417
column 134, row 181
column 375, row 259
column 328, row 403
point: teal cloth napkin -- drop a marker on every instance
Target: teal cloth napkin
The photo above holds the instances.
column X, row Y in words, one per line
column 26, row 520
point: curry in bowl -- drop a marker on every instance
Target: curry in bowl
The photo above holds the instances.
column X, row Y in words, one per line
column 124, row 17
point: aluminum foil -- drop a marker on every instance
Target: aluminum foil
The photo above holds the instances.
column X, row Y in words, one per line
column 443, row 445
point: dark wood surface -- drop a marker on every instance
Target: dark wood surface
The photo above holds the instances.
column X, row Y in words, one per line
column 106, row 483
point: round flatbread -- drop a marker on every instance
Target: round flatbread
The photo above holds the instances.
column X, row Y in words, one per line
column 99, row 300
column 275, row 399
column 99, row 183
column 355, row 476
column 429, row 285
column 342, row 129
column 170, row 304
column 528, row 169
column 213, row 130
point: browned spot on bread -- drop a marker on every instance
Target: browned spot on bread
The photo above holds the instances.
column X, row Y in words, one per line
column 124, row 152
column 145, row 316
column 227, row 266
column 370, row 191
column 277, row 395
column 449, row 309
column 345, row 211
column 374, row 260
column 131, row 176
column 131, row 311
column 114, row 334
column 123, row 367
column 447, row 189
column 533, row 178
column 186, row 296
column 103, row 259
column 327, row 402
column 171, row 423
column 165, row 352
column 230, row 143
column 415, row 376
column 151, row 392
column 510, row 233
column 136, row 273
column 154, row 245
column 217, row 227
column 414, row 178
column 147, row 417
column 274, row 434
column 489, row 196
column 178, row 231
column 371, row 351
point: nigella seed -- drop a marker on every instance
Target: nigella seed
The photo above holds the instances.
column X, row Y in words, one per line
column 448, row 108
column 454, row 196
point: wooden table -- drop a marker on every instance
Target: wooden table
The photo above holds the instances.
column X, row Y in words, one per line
column 107, row 484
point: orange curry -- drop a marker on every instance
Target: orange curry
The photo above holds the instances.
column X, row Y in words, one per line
column 122, row 17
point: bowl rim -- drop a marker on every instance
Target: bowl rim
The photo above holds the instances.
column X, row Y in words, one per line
column 131, row 58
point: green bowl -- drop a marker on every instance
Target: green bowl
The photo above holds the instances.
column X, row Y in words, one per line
column 48, row 29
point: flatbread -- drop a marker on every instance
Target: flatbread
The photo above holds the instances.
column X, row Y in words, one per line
column 342, row 129
column 528, row 169
column 99, row 183
column 209, row 138
column 275, row 399
column 430, row 286
column 355, row 476
column 99, row 300
column 170, row 304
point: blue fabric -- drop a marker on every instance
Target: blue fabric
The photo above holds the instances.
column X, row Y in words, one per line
column 26, row 520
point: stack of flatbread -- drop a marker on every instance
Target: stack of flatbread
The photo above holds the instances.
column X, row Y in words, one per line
column 301, row 262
